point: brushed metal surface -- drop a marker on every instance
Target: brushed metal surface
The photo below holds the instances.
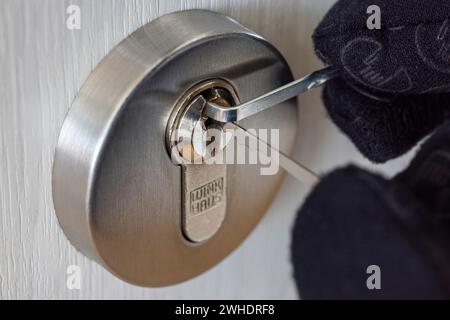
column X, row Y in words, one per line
column 116, row 192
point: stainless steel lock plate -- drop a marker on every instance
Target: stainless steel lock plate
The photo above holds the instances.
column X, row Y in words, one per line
column 117, row 193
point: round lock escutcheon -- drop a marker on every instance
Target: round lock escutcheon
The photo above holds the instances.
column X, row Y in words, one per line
column 119, row 197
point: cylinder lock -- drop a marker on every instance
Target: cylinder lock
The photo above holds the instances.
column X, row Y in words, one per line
column 192, row 132
column 194, row 142
column 120, row 194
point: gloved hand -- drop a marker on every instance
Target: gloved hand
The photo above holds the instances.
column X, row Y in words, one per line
column 394, row 90
column 354, row 219
column 405, row 65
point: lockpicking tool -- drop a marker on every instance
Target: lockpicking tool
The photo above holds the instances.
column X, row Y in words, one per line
column 228, row 114
column 120, row 198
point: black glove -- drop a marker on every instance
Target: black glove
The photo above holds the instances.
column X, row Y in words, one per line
column 397, row 79
column 396, row 90
column 354, row 219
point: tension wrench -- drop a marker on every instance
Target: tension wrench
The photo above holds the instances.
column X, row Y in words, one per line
column 230, row 115
column 270, row 99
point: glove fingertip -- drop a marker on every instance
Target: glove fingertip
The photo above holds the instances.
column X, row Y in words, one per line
column 383, row 130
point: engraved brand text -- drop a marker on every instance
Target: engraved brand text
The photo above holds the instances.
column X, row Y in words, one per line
column 207, row 196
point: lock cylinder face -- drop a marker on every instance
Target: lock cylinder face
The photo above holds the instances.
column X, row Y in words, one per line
column 187, row 131
column 204, row 185
column 119, row 197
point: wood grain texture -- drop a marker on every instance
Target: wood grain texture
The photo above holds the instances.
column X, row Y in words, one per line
column 43, row 65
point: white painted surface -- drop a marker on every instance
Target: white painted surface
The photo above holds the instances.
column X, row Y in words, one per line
column 42, row 66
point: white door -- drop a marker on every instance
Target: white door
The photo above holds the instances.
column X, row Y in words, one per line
column 43, row 65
